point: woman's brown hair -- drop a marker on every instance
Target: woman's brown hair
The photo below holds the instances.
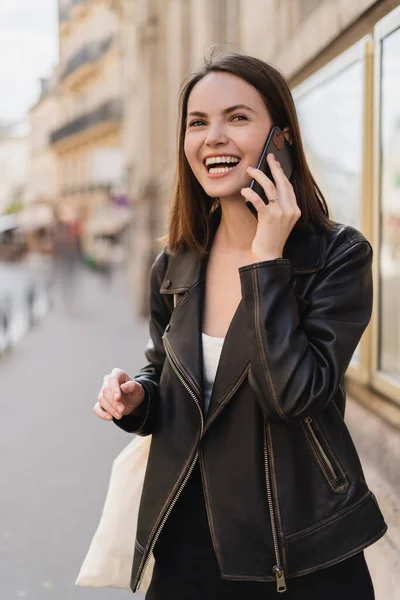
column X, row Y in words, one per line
column 191, row 207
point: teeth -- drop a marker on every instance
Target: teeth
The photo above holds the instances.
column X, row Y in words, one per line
column 221, row 159
column 220, row 169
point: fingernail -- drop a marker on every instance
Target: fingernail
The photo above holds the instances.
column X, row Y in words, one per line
column 116, row 396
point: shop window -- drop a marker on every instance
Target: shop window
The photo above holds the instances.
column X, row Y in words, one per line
column 331, row 121
column 389, row 210
column 330, row 107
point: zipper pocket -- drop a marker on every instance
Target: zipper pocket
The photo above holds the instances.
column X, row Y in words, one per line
column 324, row 456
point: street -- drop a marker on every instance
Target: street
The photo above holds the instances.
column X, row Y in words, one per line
column 56, row 455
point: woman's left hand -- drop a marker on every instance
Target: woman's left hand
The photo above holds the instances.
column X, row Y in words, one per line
column 276, row 219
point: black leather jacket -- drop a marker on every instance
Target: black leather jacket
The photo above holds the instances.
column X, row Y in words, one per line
column 285, row 492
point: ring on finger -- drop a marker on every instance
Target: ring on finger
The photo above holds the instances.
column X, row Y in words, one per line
column 273, row 199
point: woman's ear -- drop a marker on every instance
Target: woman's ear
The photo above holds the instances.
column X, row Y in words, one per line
column 286, row 133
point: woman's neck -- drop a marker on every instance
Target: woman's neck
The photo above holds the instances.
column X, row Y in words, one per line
column 237, row 227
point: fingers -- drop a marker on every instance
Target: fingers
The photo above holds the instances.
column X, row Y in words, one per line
column 266, row 183
column 283, row 185
column 108, row 403
column 257, row 202
column 285, row 205
column 128, row 387
column 109, row 398
column 100, row 412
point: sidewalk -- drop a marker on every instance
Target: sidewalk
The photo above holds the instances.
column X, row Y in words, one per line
column 57, row 456
column 378, row 444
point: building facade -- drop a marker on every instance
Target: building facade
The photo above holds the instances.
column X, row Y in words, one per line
column 87, row 137
column 43, row 164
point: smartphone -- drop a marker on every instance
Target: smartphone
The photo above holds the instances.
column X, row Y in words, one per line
column 280, row 148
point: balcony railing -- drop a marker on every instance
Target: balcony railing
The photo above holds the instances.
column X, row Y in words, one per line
column 89, row 53
column 109, row 111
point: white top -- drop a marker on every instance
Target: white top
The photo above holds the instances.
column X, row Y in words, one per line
column 212, row 348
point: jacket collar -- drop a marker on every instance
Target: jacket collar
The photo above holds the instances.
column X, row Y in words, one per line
column 305, row 248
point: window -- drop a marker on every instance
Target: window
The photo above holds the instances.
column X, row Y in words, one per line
column 330, row 107
column 389, row 210
column 331, row 121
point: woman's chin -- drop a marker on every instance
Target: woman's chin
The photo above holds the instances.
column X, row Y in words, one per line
column 224, row 192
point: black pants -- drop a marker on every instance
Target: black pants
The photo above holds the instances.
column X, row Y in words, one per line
column 186, row 567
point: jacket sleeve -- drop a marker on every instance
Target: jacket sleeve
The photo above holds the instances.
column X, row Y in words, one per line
column 297, row 366
column 143, row 420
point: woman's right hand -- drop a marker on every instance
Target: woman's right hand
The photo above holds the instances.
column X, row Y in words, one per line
column 120, row 395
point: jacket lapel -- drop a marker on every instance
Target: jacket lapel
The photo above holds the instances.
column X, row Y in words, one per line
column 184, row 338
column 234, row 361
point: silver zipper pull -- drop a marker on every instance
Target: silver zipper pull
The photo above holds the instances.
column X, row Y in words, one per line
column 280, row 580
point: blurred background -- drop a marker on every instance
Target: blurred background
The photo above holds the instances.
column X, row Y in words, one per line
column 87, row 147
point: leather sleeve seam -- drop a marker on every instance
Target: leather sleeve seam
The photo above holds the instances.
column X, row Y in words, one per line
column 343, row 247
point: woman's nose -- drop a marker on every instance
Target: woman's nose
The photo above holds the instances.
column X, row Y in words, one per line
column 216, row 135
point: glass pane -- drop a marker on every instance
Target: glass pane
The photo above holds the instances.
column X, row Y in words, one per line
column 389, row 348
column 331, row 120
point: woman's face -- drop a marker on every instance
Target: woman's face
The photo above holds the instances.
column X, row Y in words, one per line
column 226, row 129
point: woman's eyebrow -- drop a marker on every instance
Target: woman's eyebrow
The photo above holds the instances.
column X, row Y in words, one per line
column 198, row 113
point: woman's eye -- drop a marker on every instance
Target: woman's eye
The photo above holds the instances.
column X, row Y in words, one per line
column 197, row 123
column 239, row 118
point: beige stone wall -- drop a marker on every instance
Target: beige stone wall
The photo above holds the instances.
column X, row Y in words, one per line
column 293, row 34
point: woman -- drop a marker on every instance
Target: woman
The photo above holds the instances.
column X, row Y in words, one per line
column 253, row 485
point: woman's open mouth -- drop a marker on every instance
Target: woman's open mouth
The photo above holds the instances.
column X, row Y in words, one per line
column 218, row 165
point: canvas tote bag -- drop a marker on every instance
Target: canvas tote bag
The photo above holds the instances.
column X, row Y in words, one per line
column 108, row 562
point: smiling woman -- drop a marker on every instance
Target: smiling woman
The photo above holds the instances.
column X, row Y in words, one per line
column 262, row 100
column 253, row 485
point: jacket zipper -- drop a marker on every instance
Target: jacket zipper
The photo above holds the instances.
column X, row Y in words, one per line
column 188, row 473
column 277, row 569
column 323, row 454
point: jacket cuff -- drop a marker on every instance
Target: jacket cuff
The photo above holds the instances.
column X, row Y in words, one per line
column 271, row 275
column 278, row 262
column 136, row 421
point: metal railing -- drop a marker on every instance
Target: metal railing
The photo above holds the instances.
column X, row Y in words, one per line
column 112, row 110
column 90, row 53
